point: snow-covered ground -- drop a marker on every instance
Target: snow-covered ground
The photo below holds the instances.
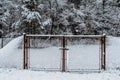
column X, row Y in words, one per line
column 12, row 74
column 79, row 57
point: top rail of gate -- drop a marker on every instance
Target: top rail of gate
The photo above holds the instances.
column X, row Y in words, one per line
column 84, row 36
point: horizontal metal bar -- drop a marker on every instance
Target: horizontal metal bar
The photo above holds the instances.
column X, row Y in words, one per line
column 84, row 36
column 63, row 48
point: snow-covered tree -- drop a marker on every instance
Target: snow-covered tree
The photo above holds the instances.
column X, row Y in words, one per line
column 60, row 16
column 30, row 21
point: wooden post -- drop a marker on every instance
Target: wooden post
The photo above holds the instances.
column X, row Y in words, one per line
column 25, row 55
column 63, row 54
column 103, row 52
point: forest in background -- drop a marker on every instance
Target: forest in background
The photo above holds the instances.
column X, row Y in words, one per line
column 56, row 17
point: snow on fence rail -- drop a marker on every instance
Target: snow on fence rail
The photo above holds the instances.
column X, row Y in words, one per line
column 88, row 36
column 62, row 41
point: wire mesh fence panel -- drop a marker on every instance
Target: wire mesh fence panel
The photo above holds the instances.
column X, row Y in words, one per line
column 84, row 54
column 4, row 41
column 44, row 53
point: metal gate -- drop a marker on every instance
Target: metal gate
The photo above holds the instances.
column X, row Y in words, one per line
column 67, row 54
column 84, row 54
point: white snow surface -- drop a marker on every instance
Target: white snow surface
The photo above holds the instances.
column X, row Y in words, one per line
column 11, row 61
column 12, row 74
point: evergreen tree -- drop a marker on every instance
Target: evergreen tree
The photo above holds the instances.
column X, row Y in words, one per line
column 31, row 19
column 76, row 2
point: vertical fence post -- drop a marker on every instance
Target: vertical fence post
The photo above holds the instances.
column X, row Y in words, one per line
column 103, row 52
column 25, row 55
column 2, row 42
column 63, row 54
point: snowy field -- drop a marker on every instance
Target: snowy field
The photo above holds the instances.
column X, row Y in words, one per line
column 11, row 57
column 12, row 74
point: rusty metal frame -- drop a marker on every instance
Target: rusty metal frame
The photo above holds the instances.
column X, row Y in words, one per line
column 63, row 45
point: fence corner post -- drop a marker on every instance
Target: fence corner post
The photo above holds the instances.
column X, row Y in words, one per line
column 25, row 52
column 103, row 52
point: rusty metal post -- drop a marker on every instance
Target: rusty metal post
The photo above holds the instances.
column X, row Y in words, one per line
column 25, row 55
column 63, row 54
column 24, row 38
column 103, row 52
